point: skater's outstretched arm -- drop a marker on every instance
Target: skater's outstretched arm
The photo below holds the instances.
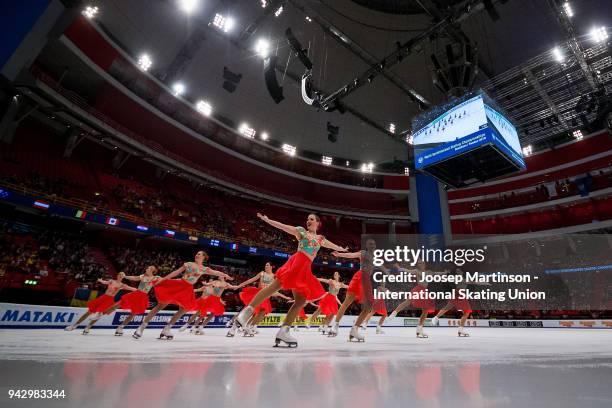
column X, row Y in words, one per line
column 104, row 282
column 136, row 278
column 348, row 255
column 174, row 273
column 251, row 280
column 337, row 248
column 289, row 229
column 280, row 295
column 210, row 271
column 127, row 287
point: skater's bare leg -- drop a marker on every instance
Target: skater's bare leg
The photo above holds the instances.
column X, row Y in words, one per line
column 401, row 307
column 265, row 293
column 151, row 315
column 299, row 303
column 348, row 300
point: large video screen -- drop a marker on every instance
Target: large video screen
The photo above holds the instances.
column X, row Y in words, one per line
column 463, row 127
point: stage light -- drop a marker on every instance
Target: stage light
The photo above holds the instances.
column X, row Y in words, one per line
column 309, row 19
column 558, row 55
column 599, row 34
column 367, row 167
column 188, row 6
column 264, row 3
column 278, row 11
column 527, row 150
column 407, row 171
column 409, row 138
column 578, row 134
column 262, row 48
column 144, row 62
column 264, row 136
column 348, row 163
column 326, row 160
column 247, row 131
column 290, row 150
column 392, row 127
column 204, row 108
column 567, row 8
column 223, row 23
column 90, row 12
column 178, row 88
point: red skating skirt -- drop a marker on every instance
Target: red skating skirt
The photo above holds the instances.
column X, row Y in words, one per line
column 136, row 302
column 425, row 304
column 296, row 274
column 461, row 304
column 360, row 289
column 177, row 292
column 246, row 296
column 328, row 305
column 380, row 307
column 100, row 304
column 210, row 304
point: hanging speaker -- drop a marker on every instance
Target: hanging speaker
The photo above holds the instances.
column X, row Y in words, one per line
column 275, row 90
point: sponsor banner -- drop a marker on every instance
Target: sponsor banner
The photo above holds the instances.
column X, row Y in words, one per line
column 34, row 316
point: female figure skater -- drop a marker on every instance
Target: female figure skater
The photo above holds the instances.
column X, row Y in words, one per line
column 460, row 304
column 100, row 305
column 209, row 304
column 422, row 302
column 328, row 305
column 178, row 292
column 265, row 278
column 359, row 290
column 136, row 302
column 378, row 307
column 295, row 275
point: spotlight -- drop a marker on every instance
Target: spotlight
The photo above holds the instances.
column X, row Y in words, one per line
column 370, row 78
column 392, row 127
column 557, row 54
column 262, row 48
column 567, row 8
column 309, row 19
column 290, row 150
column 144, row 62
column 577, row 134
column 367, row 167
column 204, row 108
column 407, row 171
column 264, row 3
column 188, row 6
column 527, row 150
column 223, row 23
column 409, row 139
column 599, row 34
column 90, row 12
column 178, row 88
column 348, row 163
column 326, row 160
column 264, row 136
column 278, row 11
column 247, row 131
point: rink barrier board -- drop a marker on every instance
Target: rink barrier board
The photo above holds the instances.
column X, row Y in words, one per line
column 19, row 316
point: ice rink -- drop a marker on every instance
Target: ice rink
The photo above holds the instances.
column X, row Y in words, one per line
column 495, row 367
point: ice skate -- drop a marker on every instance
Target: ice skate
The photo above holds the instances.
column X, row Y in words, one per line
column 119, row 331
column 198, row 331
column 248, row 332
column 435, row 321
column 355, row 335
column 462, row 332
column 333, row 332
column 70, row 328
column 166, row 334
column 420, row 333
column 86, row 330
column 232, row 331
column 138, row 333
column 184, row 327
column 244, row 316
column 283, row 336
column 379, row 330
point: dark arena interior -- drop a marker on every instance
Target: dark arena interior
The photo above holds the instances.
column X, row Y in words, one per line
column 306, row 203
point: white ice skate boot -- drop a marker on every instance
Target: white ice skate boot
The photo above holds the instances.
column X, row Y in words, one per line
column 232, row 331
column 420, row 333
column 283, row 336
column 333, row 332
column 184, row 327
column 355, row 335
column 379, row 330
column 199, row 331
column 462, row 332
column 248, row 331
column 119, row 331
column 435, row 321
column 166, row 334
column 70, row 328
column 244, row 316
column 86, row 330
column 138, row 333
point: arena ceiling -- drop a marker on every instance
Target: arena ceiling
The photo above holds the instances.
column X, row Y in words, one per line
column 185, row 47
